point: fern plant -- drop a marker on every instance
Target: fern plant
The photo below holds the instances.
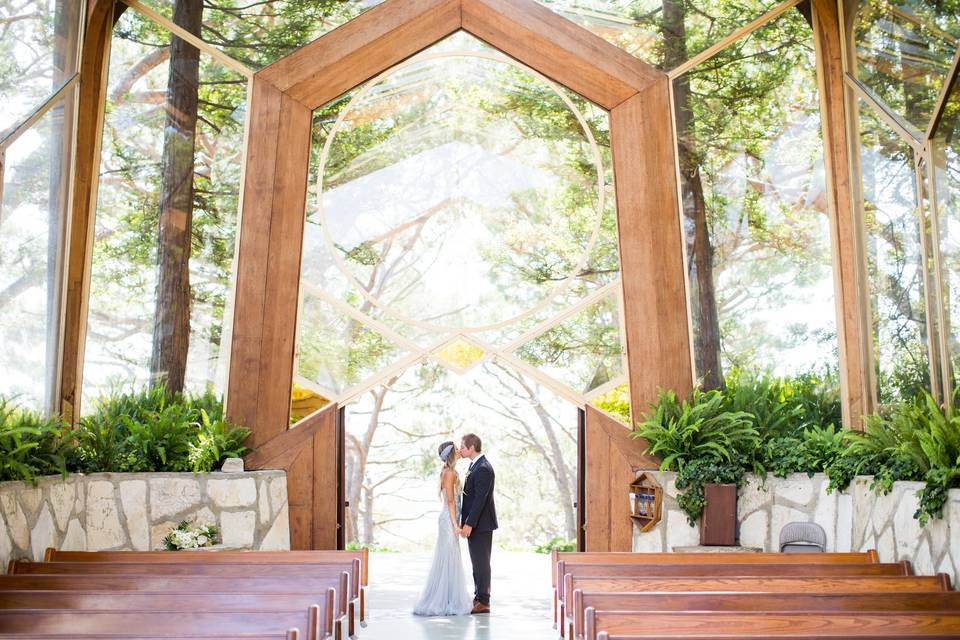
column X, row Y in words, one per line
column 31, row 444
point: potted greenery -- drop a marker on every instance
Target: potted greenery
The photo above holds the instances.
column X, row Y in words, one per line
column 702, row 440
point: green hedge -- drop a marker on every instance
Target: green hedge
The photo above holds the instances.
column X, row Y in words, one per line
column 134, row 431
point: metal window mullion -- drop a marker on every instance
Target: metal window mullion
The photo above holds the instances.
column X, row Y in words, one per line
column 953, row 78
column 745, row 30
column 12, row 134
column 891, row 119
column 183, row 34
column 942, row 309
column 930, row 297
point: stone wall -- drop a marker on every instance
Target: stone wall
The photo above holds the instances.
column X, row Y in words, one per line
column 856, row 519
column 114, row 511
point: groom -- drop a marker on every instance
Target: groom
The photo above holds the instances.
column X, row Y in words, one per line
column 478, row 518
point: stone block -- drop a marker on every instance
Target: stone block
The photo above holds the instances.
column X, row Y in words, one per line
column 278, row 494
column 44, row 534
column 870, row 542
column 886, row 549
column 16, row 521
column 278, row 537
column 6, row 546
column 906, row 528
column 952, row 515
column 158, row 532
column 133, row 497
column 844, row 522
column 232, row 465
column 237, row 528
column 63, row 497
column 884, row 507
column 754, row 495
column 680, row 533
column 203, row 516
column 104, row 530
column 825, row 515
column 30, row 498
column 796, row 489
column 755, row 531
column 263, row 502
column 170, row 496
column 863, row 501
column 237, row 492
column 75, row 539
column 780, row 517
column 922, row 562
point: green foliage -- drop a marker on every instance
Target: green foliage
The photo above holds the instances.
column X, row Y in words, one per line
column 556, row 542
column 155, row 430
column 696, row 474
column 31, row 444
column 183, row 537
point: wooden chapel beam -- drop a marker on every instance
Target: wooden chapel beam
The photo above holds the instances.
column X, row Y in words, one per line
column 651, row 246
column 849, row 269
column 360, row 49
column 94, row 67
column 268, row 272
column 559, row 49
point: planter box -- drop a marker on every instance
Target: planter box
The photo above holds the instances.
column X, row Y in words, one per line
column 718, row 524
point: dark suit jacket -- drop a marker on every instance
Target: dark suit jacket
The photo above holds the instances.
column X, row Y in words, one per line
column 478, row 509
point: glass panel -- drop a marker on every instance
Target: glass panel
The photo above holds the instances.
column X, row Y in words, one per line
column 392, row 467
column 756, row 216
column 946, row 174
column 903, row 52
column 335, row 352
column 664, row 33
column 894, row 259
column 459, row 355
column 128, row 319
column 616, row 402
column 930, row 279
column 584, row 351
column 260, row 33
column 460, row 218
column 36, row 176
column 305, row 401
column 38, row 47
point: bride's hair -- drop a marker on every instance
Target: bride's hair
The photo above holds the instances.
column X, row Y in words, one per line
column 445, row 451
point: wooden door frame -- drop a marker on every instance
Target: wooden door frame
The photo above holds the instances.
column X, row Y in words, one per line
column 272, row 218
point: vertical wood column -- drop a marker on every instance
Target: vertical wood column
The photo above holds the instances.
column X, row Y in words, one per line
column 651, row 251
column 849, row 268
column 271, row 237
column 94, row 66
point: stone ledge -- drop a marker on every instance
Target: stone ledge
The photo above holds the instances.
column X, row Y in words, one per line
column 134, row 511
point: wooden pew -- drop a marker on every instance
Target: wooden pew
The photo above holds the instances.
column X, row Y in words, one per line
column 175, row 601
column 72, row 623
column 290, row 634
column 717, row 570
column 625, row 557
column 52, row 554
column 945, row 602
column 716, row 625
column 317, row 587
column 348, row 587
column 768, row 584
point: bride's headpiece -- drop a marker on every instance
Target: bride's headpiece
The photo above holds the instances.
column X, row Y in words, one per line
column 445, row 454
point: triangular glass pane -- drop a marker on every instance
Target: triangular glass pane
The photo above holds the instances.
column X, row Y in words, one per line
column 904, row 49
column 260, row 33
column 304, row 401
column 460, row 355
column 335, row 351
column 615, row 402
column 584, row 351
column 665, row 38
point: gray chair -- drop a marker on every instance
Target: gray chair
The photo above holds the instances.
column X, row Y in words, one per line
column 803, row 537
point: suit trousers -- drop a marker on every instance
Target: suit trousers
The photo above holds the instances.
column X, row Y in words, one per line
column 480, row 545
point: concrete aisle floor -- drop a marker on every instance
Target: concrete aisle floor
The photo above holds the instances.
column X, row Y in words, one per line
column 520, row 592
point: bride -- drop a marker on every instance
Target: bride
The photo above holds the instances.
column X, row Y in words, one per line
column 445, row 593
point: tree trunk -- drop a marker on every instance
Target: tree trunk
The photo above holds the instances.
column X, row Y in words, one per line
column 699, row 249
column 171, row 330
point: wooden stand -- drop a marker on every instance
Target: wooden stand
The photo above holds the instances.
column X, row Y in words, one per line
column 718, row 524
column 646, row 502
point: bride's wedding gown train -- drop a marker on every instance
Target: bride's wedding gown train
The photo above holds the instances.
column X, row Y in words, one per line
column 445, row 593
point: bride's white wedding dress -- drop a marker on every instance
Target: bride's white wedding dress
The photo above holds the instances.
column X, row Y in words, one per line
column 445, row 593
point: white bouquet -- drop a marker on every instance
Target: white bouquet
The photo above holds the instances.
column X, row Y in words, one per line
column 182, row 537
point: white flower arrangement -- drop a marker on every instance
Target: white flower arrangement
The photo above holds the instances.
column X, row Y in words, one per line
column 182, row 537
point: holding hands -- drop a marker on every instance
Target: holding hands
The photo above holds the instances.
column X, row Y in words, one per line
column 465, row 531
